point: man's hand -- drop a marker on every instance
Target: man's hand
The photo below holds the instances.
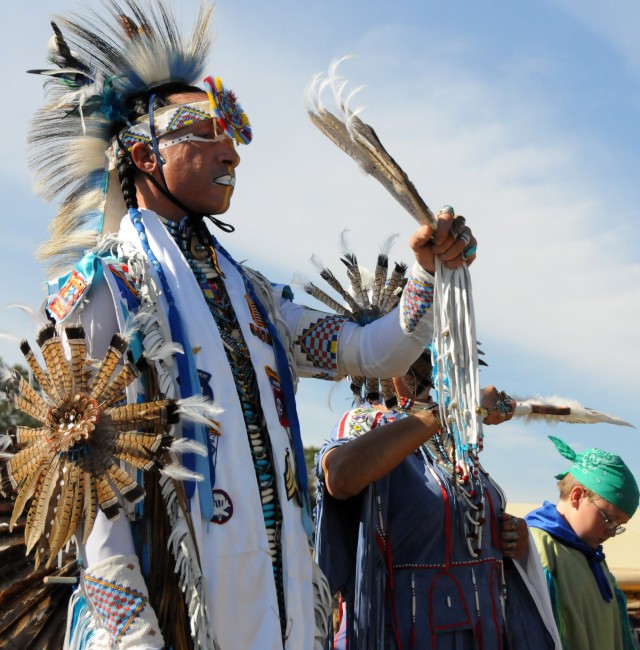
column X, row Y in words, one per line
column 453, row 242
column 497, row 405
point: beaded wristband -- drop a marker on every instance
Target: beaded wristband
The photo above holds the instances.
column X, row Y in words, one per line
column 407, row 405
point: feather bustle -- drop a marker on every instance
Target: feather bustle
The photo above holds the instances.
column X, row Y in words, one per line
column 26, row 491
column 26, row 461
column 114, row 391
column 78, row 348
column 333, row 282
column 325, row 298
column 380, row 277
column 134, row 415
column 60, row 526
column 107, row 500
column 55, row 360
column 40, row 506
column 112, row 357
column 90, row 506
column 28, row 435
column 127, row 487
column 29, row 393
column 137, row 442
column 41, row 377
column 37, row 411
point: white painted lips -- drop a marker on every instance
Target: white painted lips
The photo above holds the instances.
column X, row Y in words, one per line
column 227, row 179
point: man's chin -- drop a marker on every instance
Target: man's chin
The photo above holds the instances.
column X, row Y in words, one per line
column 221, row 205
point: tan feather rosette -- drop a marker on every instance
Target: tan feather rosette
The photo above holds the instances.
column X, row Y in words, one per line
column 73, row 463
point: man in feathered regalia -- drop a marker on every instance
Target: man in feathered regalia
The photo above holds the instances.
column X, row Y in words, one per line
column 138, row 156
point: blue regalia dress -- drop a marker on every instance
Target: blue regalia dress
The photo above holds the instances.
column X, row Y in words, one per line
column 399, row 555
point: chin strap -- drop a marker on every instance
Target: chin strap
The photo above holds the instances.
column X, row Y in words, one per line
column 194, row 216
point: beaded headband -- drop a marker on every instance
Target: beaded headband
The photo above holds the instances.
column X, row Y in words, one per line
column 222, row 106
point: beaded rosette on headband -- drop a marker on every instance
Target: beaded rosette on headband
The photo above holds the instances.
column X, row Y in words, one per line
column 101, row 62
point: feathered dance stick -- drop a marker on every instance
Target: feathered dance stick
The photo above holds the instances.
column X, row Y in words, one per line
column 562, row 409
column 357, row 139
column 455, row 345
column 455, row 356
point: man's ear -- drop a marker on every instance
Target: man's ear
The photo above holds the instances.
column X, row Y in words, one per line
column 143, row 158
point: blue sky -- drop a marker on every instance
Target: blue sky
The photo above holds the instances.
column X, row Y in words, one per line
column 523, row 115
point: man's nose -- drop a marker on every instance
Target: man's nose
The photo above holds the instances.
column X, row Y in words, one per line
column 227, row 153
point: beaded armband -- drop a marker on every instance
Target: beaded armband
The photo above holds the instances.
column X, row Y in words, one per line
column 417, row 299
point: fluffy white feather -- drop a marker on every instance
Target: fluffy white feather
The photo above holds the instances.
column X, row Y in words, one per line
column 186, row 445
column 35, row 315
column 180, row 473
column 555, row 409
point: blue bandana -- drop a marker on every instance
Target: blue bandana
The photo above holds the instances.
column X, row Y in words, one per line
column 551, row 521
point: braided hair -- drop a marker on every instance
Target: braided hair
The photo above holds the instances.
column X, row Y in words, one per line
column 139, row 107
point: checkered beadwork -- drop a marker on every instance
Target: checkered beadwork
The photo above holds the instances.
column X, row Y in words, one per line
column 417, row 299
column 129, row 138
column 118, row 606
column 319, row 342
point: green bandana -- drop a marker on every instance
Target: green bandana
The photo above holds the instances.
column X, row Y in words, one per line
column 603, row 473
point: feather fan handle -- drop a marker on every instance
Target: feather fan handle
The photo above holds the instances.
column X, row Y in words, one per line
column 562, row 409
column 357, row 139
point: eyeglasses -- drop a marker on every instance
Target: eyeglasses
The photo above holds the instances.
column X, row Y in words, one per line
column 608, row 524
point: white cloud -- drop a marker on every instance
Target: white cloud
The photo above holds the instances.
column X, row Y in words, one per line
column 618, row 23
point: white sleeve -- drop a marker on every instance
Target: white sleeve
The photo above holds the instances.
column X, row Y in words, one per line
column 330, row 346
column 120, row 615
column 110, row 542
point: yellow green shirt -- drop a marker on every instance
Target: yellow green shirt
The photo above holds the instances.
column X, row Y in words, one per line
column 585, row 620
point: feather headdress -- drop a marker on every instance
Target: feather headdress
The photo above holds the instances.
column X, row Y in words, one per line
column 100, row 61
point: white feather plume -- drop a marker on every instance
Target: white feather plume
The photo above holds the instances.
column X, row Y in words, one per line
column 188, row 446
column 200, row 410
column 35, row 315
column 180, row 473
column 555, row 409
